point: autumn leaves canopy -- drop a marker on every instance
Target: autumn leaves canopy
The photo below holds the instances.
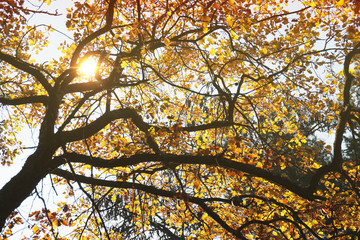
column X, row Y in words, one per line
column 201, row 119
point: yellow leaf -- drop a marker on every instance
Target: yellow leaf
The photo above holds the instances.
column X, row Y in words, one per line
column 282, row 165
column 152, row 131
column 55, row 224
column 205, row 28
column 229, row 20
column 316, row 165
column 340, row 3
column 124, row 64
column 35, row 229
column 166, row 41
column 212, row 51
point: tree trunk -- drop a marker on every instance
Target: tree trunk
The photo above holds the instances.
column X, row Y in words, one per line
column 36, row 167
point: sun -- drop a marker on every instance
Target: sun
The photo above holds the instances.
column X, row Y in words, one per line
column 88, row 67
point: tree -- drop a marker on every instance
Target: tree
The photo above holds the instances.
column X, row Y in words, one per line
column 198, row 119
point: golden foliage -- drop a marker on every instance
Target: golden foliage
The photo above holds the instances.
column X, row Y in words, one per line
column 201, row 118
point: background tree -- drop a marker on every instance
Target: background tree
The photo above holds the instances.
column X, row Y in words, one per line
column 197, row 119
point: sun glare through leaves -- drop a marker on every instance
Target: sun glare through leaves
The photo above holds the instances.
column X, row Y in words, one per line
column 88, row 67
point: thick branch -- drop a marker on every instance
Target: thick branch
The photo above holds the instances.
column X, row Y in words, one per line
column 15, row 191
column 25, row 100
column 101, row 122
column 82, row 87
column 202, row 127
column 122, row 184
column 215, row 124
column 90, row 86
column 348, row 76
column 28, row 68
column 95, row 126
column 345, row 112
column 220, row 161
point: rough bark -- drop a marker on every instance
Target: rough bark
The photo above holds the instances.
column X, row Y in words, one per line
column 36, row 167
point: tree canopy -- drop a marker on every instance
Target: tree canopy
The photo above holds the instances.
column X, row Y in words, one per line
column 183, row 119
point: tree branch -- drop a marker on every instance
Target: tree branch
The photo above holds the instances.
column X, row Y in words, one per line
column 28, row 68
column 90, row 86
column 76, row 109
column 148, row 189
column 101, row 122
column 217, row 218
column 345, row 111
column 130, row 185
column 88, row 39
column 25, row 100
column 215, row 124
column 219, row 161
